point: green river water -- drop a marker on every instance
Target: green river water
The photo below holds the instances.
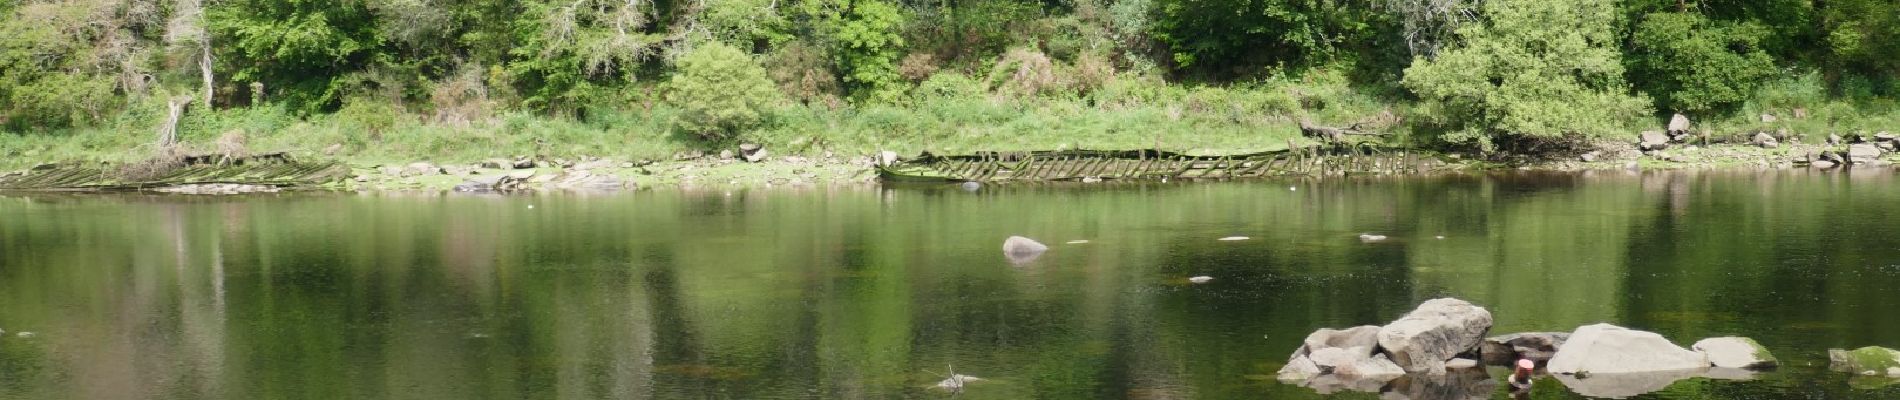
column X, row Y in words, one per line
column 872, row 293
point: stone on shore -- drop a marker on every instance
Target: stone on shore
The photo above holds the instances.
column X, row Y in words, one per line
column 1678, row 124
column 1536, row 346
column 1870, row 361
column 1610, row 349
column 1735, row 352
column 1438, row 330
column 1765, row 140
column 1652, row 140
column 1863, row 152
column 1021, row 249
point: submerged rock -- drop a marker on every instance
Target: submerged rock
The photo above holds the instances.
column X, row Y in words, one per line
column 1870, row 360
column 1021, row 249
column 1461, row 384
column 1535, row 346
column 1300, row 366
column 1610, row 349
column 1625, row 385
column 1438, row 330
column 1735, row 352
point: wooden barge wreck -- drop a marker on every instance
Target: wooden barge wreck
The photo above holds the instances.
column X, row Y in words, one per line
column 1094, row 165
column 266, row 171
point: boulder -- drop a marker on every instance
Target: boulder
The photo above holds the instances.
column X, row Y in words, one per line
column 1735, row 352
column 524, row 163
column 757, row 156
column 420, row 169
column 1590, row 156
column 1862, row 152
column 1536, row 346
column 1611, row 349
column 726, row 154
column 1438, row 330
column 1021, row 249
column 1652, row 140
column 496, row 163
column 1360, row 336
column 887, row 158
column 1870, row 360
column 1355, row 361
column 1833, row 139
column 1678, row 124
column 1765, row 140
column 1884, row 136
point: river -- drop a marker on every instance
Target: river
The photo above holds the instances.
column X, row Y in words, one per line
column 881, row 292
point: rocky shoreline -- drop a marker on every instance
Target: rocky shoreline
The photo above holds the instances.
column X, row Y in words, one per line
column 752, row 166
column 1439, row 351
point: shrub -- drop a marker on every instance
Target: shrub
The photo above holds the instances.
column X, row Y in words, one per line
column 1536, row 72
column 719, row 91
column 1023, row 72
column 1691, row 64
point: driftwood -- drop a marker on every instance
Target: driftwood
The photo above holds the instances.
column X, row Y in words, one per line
column 1332, row 134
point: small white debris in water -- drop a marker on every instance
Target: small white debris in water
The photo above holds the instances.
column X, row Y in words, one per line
column 956, row 381
column 1233, row 238
column 27, row 335
column 478, row 335
column 1201, row 279
column 1078, row 241
column 1441, row 236
column 530, row 206
column 1371, row 237
column 1292, row 188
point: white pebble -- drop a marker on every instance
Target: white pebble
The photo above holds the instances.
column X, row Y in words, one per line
column 1201, row 279
column 1078, row 241
column 1233, row 238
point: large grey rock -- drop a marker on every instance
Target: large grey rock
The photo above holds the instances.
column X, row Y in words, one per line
column 1330, row 360
column 1610, row 349
column 1652, row 140
column 1437, row 330
column 1862, row 152
column 1735, row 352
column 1765, row 140
column 1536, row 346
column 1021, row 249
column 1870, row 360
column 1678, row 124
column 1366, row 336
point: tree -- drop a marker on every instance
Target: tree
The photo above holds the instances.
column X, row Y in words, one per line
column 1222, row 37
column 869, row 46
column 1539, row 71
column 304, row 49
column 1692, row 64
column 719, row 91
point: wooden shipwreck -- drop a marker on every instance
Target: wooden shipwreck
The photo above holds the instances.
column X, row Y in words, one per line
column 1092, row 165
column 274, row 170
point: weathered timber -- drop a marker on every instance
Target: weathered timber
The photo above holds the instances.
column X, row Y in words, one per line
column 272, row 169
column 1089, row 165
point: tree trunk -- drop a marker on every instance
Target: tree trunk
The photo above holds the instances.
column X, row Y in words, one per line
column 204, row 66
column 168, row 133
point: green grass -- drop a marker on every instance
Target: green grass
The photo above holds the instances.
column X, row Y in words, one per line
column 1137, row 114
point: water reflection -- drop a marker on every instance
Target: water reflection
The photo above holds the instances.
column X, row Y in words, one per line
column 880, row 293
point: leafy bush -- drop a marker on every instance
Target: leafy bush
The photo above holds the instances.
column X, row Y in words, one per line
column 719, row 91
column 1692, row 64
column 870, row 46
column 1536, row 71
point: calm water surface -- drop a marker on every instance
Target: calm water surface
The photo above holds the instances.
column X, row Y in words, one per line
column 876, row 293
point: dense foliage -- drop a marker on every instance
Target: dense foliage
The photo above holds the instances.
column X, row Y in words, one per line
column 1465, row 72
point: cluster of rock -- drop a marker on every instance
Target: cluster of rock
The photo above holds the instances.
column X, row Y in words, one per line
column 1443, row 340
column 1859, row 152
